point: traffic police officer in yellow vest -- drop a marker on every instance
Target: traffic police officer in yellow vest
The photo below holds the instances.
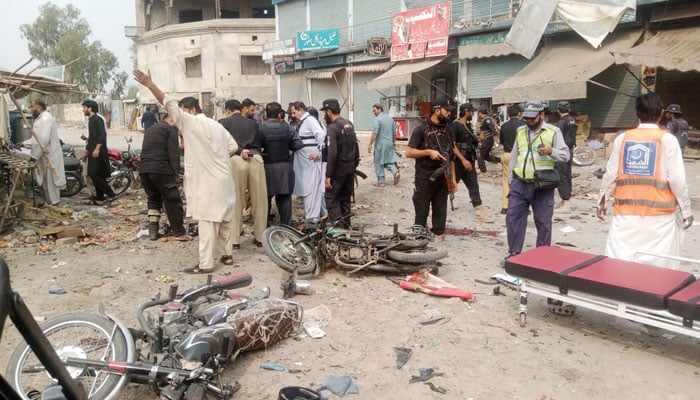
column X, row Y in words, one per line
column 537, row 146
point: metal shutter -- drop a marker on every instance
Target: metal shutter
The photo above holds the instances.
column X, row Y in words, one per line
column 609, row 109
column 293, row 88
column 322, row 89
column 292, row 16
column 681, row 88
column 364, row 99
column 330, row 14
column 369, row 23
column 486, row 73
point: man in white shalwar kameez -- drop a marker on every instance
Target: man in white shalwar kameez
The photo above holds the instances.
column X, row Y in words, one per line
column 645, row 180
column 209, row 186
column 308, row 172
column 52, row 180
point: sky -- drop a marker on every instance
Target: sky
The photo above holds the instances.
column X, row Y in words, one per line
column 107, row 20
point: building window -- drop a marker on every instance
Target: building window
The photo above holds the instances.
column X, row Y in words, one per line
column 190, row 16
column 230, row 14
column 193, row 67
column 264, row 12
column 254, row 65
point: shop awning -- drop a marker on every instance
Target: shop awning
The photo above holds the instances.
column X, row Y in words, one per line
column 373, row 67
column 484, row 50
column 322, row 73
column 400, row 74
column 561, row 70
column 673, row 49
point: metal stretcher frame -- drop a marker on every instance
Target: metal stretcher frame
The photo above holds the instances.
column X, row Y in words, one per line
column 652, row 317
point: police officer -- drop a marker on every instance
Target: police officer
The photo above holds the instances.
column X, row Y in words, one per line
column 462, row 132
column 487, row 134
column 537, row 146
column 568, row 127
column 677, row 125
column 432, row 147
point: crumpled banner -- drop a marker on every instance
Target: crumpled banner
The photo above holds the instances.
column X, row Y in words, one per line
column 425, row 282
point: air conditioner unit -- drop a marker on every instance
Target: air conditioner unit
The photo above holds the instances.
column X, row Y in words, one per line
column 514, row 8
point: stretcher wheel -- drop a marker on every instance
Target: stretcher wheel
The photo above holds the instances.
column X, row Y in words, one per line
column 522, row 317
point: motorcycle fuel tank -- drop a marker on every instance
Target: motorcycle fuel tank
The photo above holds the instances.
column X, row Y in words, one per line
column 201, row 344
column 214, row 313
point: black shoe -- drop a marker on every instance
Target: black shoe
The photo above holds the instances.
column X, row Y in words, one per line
column 236, row 247
column 504, row 211
column 257, row 243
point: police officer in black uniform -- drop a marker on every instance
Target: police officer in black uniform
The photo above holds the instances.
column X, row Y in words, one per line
column 466, row 143
column 432, row 147
column 487, row 135
column 677, row 125
column 568, row 127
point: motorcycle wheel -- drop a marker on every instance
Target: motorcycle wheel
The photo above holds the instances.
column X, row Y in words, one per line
column 422, row 255
column 277, row 243
column 583, row 156
column 119, row 182
column 73, row 186
column 85, row 336
column 404, row 269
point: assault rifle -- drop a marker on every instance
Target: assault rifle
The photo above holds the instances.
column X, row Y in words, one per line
column 445, row 169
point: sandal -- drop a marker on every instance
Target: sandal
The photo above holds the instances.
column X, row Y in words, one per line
column 226, row 260
column 379, row 184
column 397, row 177
column 197, row 270
column 183, row 238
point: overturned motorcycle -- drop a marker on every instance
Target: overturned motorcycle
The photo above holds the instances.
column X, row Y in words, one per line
column 184, row 343
column 351, row 249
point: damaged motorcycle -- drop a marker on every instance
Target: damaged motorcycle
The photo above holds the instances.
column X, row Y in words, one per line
column 184, row 342
column 351, row 249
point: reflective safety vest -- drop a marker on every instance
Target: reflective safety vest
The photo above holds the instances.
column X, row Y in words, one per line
column 525, row 169
column 639, row 187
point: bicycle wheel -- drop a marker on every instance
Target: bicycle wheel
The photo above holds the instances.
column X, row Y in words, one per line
column 278, row 245
column 86, row 336
column 583, row 156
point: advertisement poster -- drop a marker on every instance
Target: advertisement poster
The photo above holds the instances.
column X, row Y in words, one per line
column 283, row 64
column 421, row 32
column 401, row 129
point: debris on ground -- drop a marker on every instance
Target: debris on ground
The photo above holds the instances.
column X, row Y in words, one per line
column 403, row 354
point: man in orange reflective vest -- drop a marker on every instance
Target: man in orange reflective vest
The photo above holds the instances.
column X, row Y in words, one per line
column 645, row 181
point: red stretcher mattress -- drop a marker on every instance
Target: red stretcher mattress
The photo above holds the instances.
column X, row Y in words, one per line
column 686, row 303
column 629, row 282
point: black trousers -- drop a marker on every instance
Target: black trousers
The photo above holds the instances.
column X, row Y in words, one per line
column 429, row 194
column 470, row 181
column 338, row 198
column 162, row 192
column 485, row 153
column 102, row 188
column 564, row 169
column 284, row 208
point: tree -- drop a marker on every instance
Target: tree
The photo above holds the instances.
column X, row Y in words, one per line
column 119, row 85
column 60, row 36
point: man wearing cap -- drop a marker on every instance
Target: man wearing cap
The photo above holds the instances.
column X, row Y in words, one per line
column 383, row 129
column 507, row 137
column 645, row 181
column 343, row 155
column 538, row 145
column 677, row 125
column 487, row 134
column 568, row 127
column 431, row 145
column 465, row 150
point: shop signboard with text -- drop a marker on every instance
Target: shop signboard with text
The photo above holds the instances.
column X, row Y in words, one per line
column 420, row 32
column 323, row 39
column 284, row 47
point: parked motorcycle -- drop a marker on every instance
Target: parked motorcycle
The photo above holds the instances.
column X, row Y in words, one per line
column 351, row 249
column 180, row 351
column 129, row 160
column 119, row 179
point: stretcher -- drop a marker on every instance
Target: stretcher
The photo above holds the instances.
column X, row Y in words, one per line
column 655, row 296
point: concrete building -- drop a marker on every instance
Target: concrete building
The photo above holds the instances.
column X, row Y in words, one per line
column 211, row 50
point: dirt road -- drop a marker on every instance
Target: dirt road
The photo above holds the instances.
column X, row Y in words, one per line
column 479, row 346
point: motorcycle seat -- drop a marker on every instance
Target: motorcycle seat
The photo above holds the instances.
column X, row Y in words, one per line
column 71, row 164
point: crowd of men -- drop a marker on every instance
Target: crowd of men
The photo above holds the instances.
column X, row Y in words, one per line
column 240, row 161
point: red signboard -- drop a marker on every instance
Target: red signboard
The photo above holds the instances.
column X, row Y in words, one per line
column 421, row 32
column 401, row 129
